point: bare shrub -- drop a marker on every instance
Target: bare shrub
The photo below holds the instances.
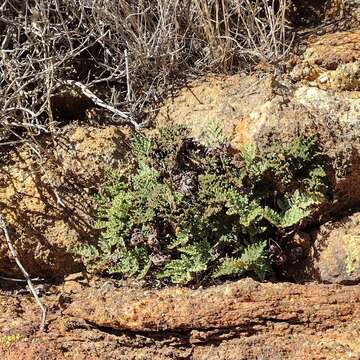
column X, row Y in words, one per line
column 122, row 54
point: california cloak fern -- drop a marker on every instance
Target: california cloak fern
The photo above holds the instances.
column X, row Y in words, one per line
column 181, row 210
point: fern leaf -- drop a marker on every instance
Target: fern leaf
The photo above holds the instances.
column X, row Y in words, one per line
column 214, row 135
column 253, row 259
column 194, row 260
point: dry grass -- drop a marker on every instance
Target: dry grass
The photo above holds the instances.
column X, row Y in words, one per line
column 124, row 52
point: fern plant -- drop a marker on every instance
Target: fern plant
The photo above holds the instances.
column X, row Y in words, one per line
column 181, row 211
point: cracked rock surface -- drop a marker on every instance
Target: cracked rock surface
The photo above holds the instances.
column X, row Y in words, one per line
column 239, row 320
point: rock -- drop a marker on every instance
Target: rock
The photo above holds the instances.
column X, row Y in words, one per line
column 240, row 320
column 47, row 200
column 265, row 111
column 331, row 62
column 209, row 102
column 334, row 256
column 245, row 304
column 225, row 102
column 232, row 315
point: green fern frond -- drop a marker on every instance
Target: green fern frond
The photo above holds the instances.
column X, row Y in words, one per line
column 214, row 135
column 194, row 260
column 299, row 207
column 131, row 262
column 181, row 209
column 141, row 147
column 253, row 259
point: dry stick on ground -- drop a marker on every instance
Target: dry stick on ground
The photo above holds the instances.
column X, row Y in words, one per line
column 101, row 103
column 25, row 273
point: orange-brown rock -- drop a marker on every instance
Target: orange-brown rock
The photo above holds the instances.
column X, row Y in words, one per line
column 245, row 304
column 46, row 197
column 332, row 62
column 241, row 320
column 215, row 101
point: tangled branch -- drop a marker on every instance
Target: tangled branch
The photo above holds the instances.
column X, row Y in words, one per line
column 126, row 53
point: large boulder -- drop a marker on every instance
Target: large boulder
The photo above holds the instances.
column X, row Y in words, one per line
column 46, row 197
column 332, row 253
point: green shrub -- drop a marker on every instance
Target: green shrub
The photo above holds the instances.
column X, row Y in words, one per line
column 180, row 210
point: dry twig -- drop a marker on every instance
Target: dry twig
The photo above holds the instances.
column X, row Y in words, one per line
column 24, row 272
column 97, row 44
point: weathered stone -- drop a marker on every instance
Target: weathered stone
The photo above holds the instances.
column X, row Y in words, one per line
column 241, row 320
column 245, row 304
column 334, row 256
column 219, row 101
column 47, row 200
column 331, row 62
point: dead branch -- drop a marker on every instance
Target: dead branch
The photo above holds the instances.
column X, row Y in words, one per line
column 24, row 272
column 99, row 44
column 99, row 102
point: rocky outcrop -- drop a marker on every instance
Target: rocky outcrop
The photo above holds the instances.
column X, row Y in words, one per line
column 331, row 62
column 239, row 320
column 46, row 197
column 245, row 304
